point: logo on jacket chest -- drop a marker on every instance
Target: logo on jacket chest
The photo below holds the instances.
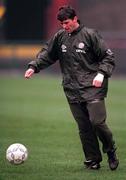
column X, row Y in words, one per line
column 63, row 48
column 79, row 48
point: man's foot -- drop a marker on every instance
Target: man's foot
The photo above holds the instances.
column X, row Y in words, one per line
column 112, row 160
column 90, row 164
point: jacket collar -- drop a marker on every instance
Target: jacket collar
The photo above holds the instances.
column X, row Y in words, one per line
column 77, row 30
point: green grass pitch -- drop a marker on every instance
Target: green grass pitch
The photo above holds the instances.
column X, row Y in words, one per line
column 35, row 113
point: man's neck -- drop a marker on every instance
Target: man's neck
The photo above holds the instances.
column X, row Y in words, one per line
column 76, row 25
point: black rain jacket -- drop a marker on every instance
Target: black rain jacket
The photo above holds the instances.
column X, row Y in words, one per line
column 81, row 54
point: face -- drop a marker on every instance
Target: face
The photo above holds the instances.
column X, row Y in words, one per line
column 70, row 24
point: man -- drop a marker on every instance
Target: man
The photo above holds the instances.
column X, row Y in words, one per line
column 86, row 64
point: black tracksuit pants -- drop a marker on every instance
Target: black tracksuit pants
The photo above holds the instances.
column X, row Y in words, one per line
column 91, row 120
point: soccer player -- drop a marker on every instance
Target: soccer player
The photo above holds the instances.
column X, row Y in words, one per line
column 86, row 64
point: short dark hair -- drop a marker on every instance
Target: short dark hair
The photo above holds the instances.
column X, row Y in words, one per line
column 66, row 12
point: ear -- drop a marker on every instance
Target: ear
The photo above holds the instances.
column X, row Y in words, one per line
column 75, row 19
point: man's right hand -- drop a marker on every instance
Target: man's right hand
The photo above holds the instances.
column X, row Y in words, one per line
column 29, row 73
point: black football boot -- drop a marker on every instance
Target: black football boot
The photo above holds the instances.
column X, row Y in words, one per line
column 112, row 160
column 90, row 164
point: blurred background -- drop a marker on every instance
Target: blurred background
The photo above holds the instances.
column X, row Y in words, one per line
column 26, row 25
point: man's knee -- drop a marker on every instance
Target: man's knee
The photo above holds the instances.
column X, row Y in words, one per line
column 97, row 112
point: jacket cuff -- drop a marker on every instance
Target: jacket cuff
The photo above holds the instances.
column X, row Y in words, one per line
column 101, row 72
column 31, row 67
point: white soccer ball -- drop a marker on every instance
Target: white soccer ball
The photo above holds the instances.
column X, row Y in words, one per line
column 16, row 153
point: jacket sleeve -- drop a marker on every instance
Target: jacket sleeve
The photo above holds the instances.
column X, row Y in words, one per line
column 46, row 57
column 104, row 55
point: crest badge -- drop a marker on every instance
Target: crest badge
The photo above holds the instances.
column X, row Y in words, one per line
column 81, row 45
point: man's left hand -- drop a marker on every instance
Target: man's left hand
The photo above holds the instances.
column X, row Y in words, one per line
column 97, row 81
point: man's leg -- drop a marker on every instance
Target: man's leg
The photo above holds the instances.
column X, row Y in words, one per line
column 97, row 113
column 87, row 135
